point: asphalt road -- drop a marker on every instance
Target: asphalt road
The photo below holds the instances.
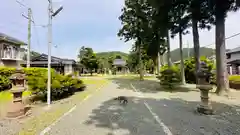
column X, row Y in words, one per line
column 101, row 115
column 147, row 113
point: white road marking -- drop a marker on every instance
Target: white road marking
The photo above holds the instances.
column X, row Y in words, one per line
column 47, row 129
column 161, row 124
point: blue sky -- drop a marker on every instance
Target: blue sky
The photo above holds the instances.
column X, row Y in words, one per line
column 92, row 23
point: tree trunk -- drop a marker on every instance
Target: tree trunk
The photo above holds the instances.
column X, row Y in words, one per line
column 140, row 62
column 222, row 75
column 196, row 46
column 155, row 66
column 91, row 72
column 168, row 50
column 161, row 60
column 182, row 62
column 158, row 63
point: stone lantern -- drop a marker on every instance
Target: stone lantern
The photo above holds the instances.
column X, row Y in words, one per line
column 204, row 86
column 17, row 108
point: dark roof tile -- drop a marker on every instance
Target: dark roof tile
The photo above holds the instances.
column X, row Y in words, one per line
column 8, row 38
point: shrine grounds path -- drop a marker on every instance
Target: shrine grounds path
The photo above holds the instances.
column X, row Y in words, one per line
column 150, row 111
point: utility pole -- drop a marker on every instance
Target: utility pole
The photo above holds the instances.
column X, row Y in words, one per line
column 29, row 17
column 49, row 50
column 51, row 14
column 29, row 36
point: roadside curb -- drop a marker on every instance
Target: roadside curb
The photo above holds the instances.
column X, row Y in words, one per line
column 48, row 128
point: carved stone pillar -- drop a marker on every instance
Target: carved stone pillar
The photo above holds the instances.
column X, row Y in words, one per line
column 204, row 86
column 16, row 108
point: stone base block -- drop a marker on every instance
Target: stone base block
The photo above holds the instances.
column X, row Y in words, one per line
column 205, row 110
column 16, row 110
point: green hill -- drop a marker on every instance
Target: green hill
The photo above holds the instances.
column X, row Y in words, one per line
column 33, row 54
column 112, row 54
column 175, row 54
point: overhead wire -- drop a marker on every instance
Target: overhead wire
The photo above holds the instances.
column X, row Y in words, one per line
column 35, row 31
column 33, row 21
column 234, row 35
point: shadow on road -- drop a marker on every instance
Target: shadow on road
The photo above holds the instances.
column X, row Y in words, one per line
column 146, row 86
column 177, row 114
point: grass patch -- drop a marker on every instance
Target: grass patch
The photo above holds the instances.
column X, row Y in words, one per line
column 38, row 123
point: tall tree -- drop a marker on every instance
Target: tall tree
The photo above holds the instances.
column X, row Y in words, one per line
column 220, row 10
column 162, row 15
column 200, row 17
column 180, row 24
column 135, row 25
column 88, row 59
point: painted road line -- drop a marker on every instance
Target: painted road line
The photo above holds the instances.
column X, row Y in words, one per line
column 47, row 129
column 155, row 116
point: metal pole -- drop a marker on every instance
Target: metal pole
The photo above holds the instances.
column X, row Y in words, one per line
column 49, row 51
column 188, row 49
column 29, row 36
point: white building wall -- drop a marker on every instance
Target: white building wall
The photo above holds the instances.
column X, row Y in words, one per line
column 68, row 69
column 235, row 56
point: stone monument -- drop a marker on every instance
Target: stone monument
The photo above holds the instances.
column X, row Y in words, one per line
column 204, row 86
column 17, row 108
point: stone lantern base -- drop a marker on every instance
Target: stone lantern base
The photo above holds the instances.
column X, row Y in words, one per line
column 16, row 108
column 207, row 110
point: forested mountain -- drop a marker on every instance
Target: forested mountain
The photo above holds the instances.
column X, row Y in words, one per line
column 33, row 54
column 175, row 54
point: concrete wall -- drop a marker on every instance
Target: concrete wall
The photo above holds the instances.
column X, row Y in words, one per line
column 9, row 63
column 14, row 62
column 235, row 55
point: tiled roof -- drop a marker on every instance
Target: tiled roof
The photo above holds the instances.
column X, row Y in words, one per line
column 234, row 50
column 7, row 38
column 55, row 59
column 119, row 62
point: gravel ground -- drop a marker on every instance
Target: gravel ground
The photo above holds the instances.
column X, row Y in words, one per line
column 177, row 110
column 12, row 126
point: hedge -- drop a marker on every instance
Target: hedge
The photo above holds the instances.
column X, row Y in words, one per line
column 61, row 86
column 190, row 69
column 170, row 76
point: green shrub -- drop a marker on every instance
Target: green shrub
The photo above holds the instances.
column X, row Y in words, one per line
column 170, row 76
column 37, row 78
column 234, row 79
column 61, row 86
column 5, row 83
column 6, row 71
column 37, row 71
column 190, row 68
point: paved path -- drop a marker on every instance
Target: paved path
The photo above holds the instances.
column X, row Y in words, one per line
column 147, row 113
column 100, row 115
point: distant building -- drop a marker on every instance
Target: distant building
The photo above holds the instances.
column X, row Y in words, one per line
column 233, row 60
column 63, row 66
column 120, row 65
column 11, row 54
